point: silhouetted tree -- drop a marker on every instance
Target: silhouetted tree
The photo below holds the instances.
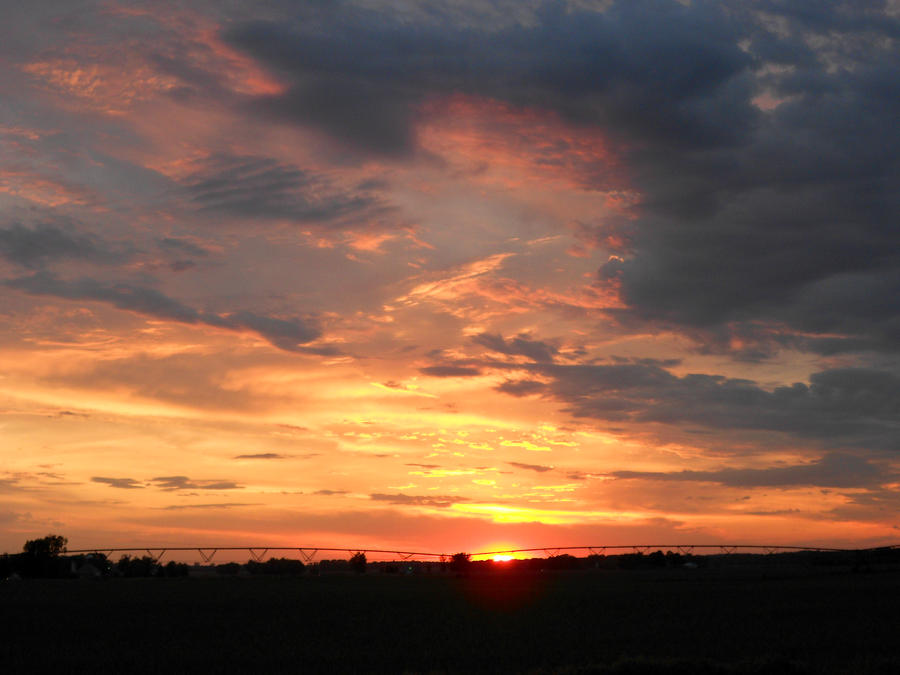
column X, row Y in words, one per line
column 358, row 562
column 460, row 563
column 50, row 546
column 41, row 557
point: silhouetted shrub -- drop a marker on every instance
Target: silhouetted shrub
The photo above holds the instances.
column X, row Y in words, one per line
column 630, row 561
column 145, row 566
column 674, row 559
column 563, row 561
column 596, row 560
column 656, row 559
column 229, row 569
column 175, row 569
column 281, row 566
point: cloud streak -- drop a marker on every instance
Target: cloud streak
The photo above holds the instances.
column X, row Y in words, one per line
column 254, row 188
column 37, row 246
column 171, row 483
column 832, row 471
column 850, row 407
column 284, row 334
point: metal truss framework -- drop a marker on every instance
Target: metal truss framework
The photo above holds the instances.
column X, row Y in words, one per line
column 308, row 553
column 257, row 553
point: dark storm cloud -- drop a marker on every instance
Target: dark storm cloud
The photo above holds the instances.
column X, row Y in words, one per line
column 450, row 371
column 34, row 247
column 521, row 345
column 264, row 188
column 783, row 215
column 833, row 470
column 418, row 500
column 848, row 407
column 793, row 227
column 122, row 483
column 657, row 67
column 287, row 335
column 169, row 483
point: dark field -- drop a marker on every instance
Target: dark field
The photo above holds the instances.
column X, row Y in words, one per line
column 670, row 621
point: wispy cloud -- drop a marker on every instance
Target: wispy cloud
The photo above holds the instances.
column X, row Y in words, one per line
column 122, row 483
column 262, row 455
column 531, row 467
column 283, row 333
column 442, row 501
column 185, row 483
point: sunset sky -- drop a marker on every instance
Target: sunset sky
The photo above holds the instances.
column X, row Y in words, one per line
column 449, row 276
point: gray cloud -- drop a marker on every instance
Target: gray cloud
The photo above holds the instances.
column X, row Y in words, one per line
column 844, row 407
column 521, row 345
column 189, row 380
column 34, row 247
column 782, row 216
column 450, row 371
column 262, row 188
column 262, row 455
column 660, row 68
column 521, row 388
column 287, row 335
column 122, row 483
column 531, row 467
column 223, row 505
column 169, row 483
column 181, row 245
column 418, row 500
column 833, row 470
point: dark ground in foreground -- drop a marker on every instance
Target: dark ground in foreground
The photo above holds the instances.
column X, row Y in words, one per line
column 671, row 621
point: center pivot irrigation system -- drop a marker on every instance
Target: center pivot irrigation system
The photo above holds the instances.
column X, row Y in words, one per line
column 308, row 553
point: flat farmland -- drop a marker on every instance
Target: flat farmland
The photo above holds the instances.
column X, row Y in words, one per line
column 673, row 621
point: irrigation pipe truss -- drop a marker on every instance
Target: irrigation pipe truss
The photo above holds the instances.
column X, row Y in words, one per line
column 308, row 553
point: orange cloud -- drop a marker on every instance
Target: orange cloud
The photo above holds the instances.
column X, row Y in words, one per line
column 518, row 146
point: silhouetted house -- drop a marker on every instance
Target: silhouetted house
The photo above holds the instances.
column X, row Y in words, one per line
column 84, row 568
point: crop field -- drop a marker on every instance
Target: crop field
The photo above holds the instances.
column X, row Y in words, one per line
column 670, row 621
